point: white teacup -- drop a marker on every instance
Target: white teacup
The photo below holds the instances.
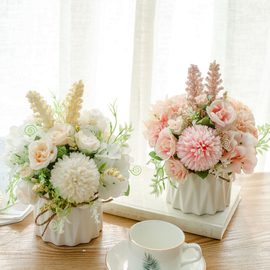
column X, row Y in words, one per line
column 160, row 245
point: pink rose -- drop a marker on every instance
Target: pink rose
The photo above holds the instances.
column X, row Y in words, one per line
column 201, row 99
column 221, row 113
column 176, row 170
column 41, row 153
column 166, row 144
column 59, row 133
column 176, row 125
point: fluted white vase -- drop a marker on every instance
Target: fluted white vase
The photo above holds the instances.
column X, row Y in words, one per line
column 79, row 229
column 200, row 196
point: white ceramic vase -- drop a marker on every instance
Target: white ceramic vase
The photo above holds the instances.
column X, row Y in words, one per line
column 200, row 196
column 80, row 229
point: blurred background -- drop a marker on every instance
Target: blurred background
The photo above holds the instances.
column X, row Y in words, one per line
column 135, row 51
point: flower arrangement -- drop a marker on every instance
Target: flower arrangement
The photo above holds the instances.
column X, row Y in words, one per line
column 202, row 133
column 68, row 157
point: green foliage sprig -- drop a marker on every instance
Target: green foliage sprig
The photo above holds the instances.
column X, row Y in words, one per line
column 159, row 175
column 124, row 132
column 264, row 138
column 58, row 109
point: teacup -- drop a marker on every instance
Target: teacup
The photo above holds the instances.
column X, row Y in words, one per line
column 156, row 244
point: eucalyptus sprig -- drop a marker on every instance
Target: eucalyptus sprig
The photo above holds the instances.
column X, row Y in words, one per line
column 264, row 138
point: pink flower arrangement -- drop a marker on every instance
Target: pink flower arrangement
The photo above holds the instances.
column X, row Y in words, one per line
column 203, row 132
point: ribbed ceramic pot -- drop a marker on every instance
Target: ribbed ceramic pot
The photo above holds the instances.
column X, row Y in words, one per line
column 80, row 229
column 200, row 196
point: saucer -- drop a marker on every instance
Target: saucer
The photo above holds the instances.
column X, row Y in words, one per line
column 117, row 258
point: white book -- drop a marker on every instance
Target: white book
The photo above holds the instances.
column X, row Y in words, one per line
column 15, row 213
column 141, row 205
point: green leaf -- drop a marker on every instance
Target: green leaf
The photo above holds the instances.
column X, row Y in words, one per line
column 57, row 192
column 150, row 263
column 203, row 174
column 154, row 155
column 61, row 150
column 37, row 138
column 84, row 151
column 172, row 184
column 102, row 167
column 128, row 190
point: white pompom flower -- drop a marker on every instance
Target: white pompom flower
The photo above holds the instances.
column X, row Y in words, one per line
column 76, row 176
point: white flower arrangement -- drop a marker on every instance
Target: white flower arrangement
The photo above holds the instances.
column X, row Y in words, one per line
column 70, row 159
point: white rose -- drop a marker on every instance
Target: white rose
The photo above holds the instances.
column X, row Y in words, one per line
column 26, row 171
column 59, row 133
column 85, row 139
column 41, row 153
column 25, row 193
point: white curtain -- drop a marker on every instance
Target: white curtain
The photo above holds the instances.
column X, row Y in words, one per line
column 137, row 51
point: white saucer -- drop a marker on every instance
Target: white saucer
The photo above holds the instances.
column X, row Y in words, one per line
column 116, row 258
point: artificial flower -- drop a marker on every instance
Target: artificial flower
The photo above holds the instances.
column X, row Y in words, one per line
column 95, row 120
column 201, row 99
column 166, row 143
column 41, row 153
column 59, row 133
column 26, row 171
column 221, row 113
column 25, row 193
column 176, row 170
column 176, row 126
column 199, row 148
column 76, row 176
column 85, row 139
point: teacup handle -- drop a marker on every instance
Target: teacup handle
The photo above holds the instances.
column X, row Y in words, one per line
column 197, row 258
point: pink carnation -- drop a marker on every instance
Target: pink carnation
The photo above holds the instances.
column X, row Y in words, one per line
column 176, row 170
column 199, row 148
column 245, row 120
column 154, row 127
column 166, row 144
column 170, row 108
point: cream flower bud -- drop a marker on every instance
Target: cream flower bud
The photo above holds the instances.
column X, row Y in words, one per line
column 176, row 125
column 201, row 99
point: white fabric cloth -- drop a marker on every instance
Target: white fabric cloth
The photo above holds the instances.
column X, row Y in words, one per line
column 137, row 51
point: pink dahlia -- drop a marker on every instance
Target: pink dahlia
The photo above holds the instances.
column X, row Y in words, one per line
column 199, row 148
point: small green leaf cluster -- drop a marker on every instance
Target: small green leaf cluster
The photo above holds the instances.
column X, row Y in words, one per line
column 124, row 132
column 264, row 138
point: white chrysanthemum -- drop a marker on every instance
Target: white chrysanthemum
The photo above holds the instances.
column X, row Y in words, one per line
column 76, row 176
